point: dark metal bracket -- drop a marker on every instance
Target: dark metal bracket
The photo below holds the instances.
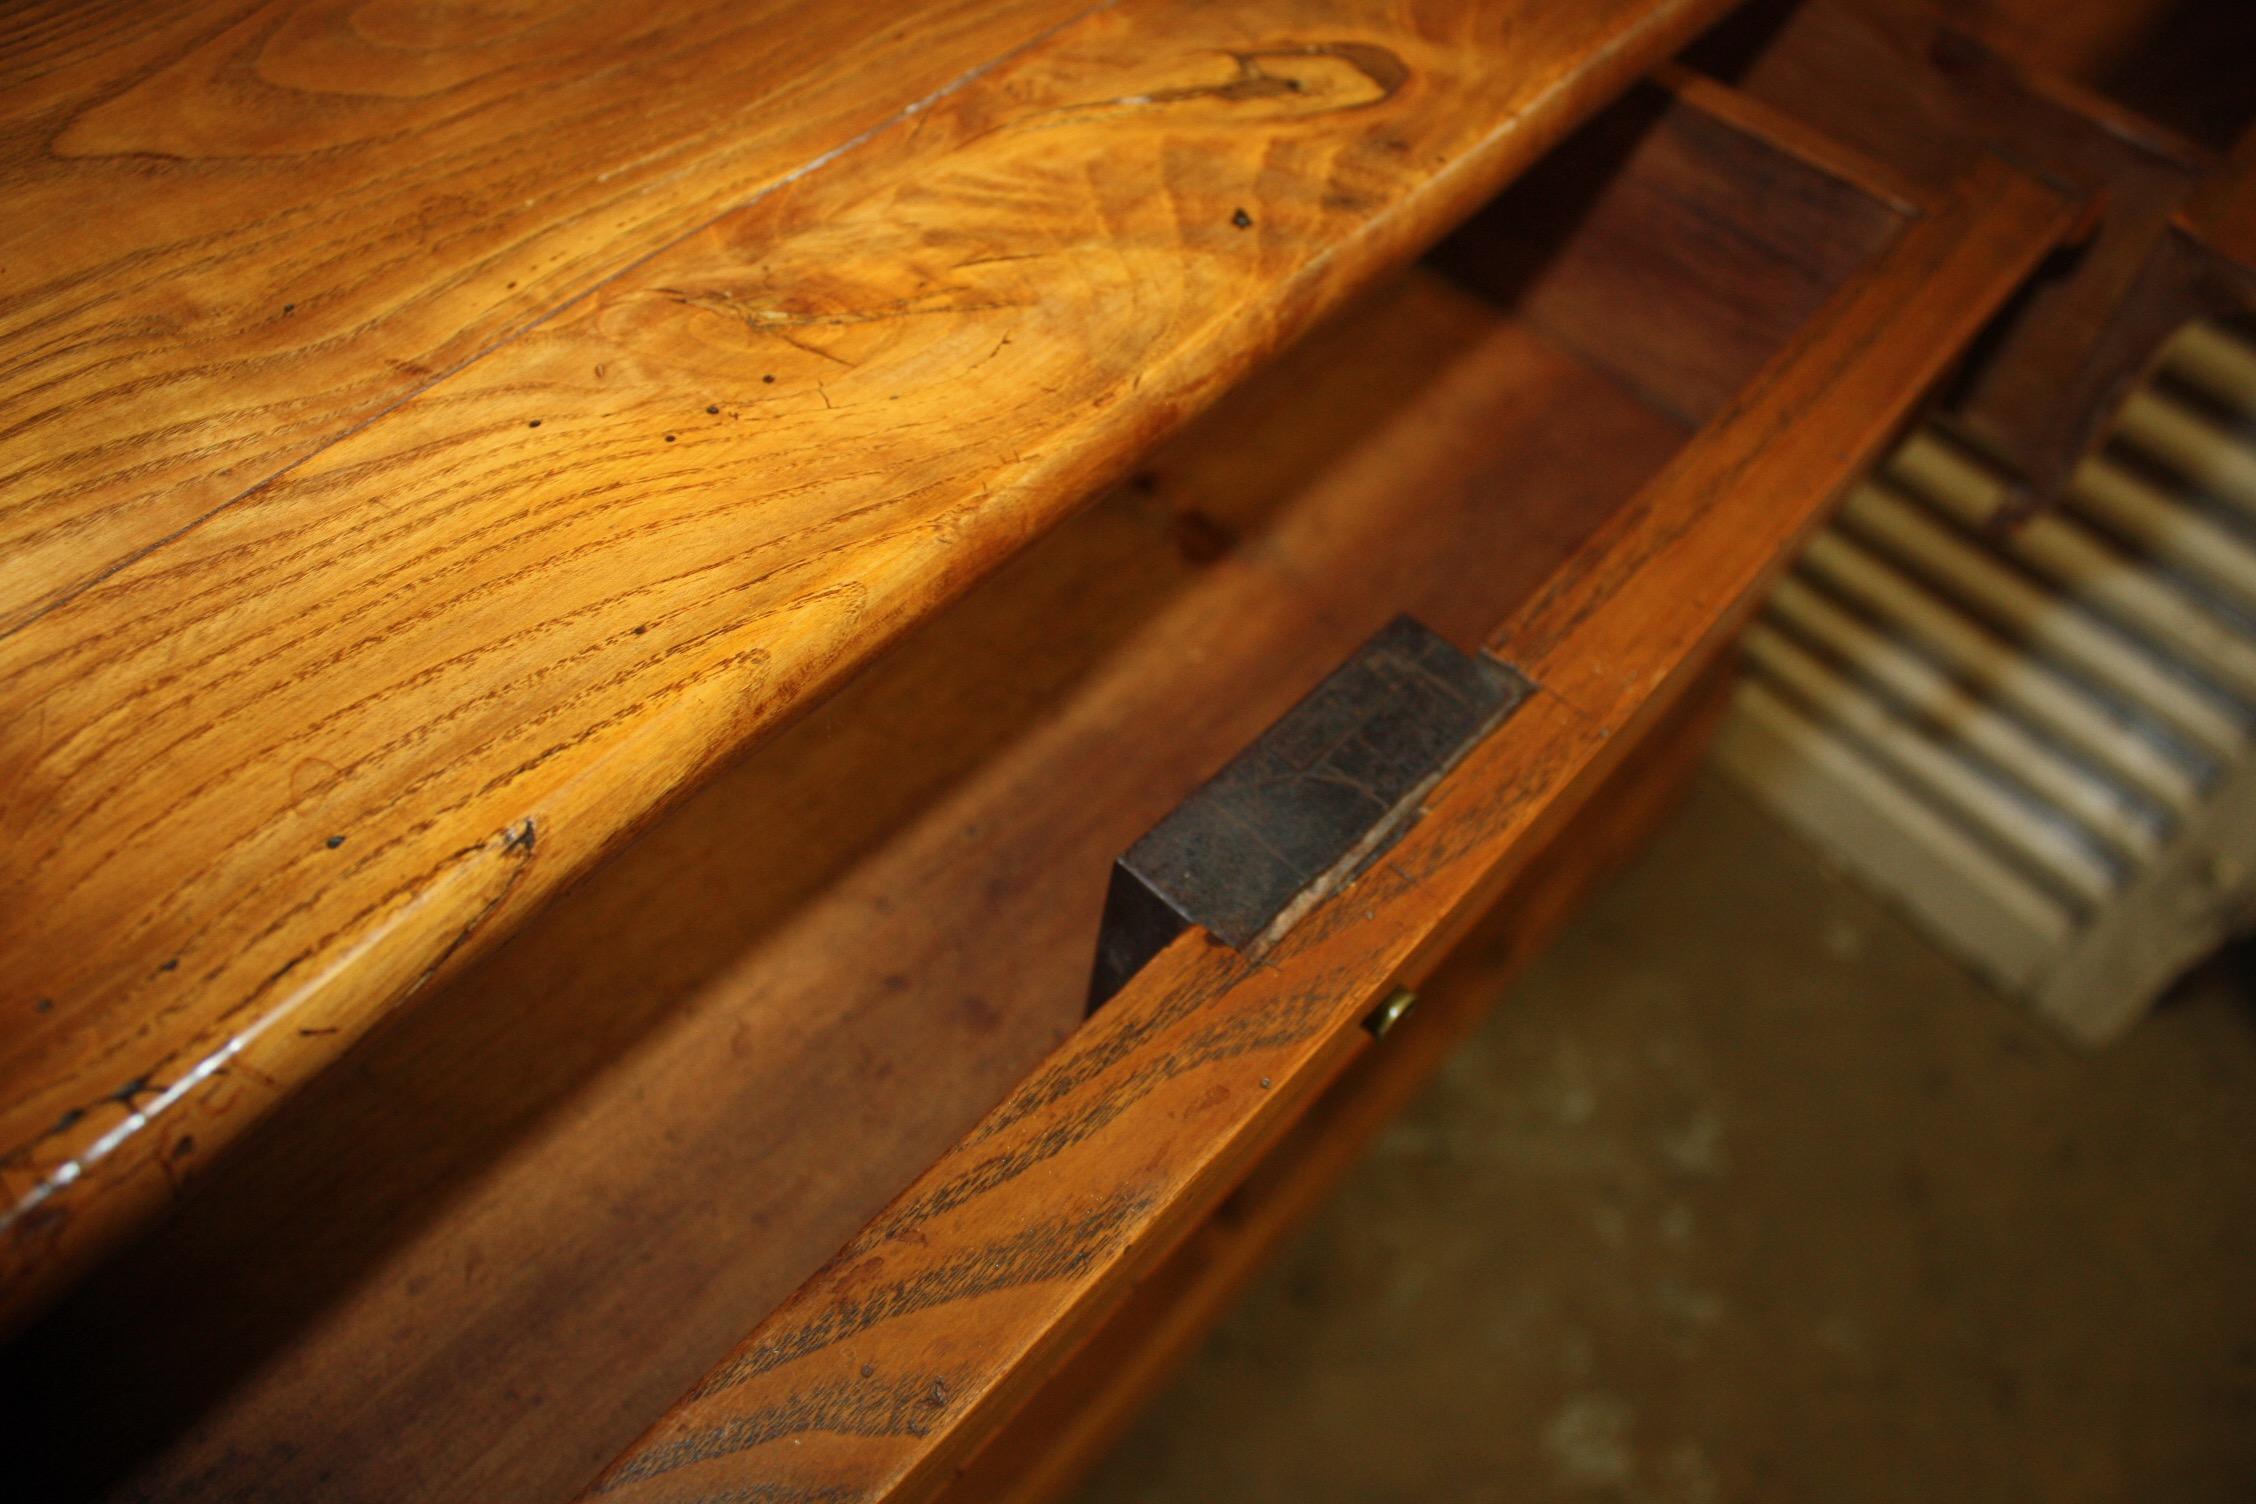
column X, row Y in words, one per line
column 1315, row 799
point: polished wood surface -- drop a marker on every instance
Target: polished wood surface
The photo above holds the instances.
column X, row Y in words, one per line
column 882, row 1372
column 238, row 231
column 395, row 544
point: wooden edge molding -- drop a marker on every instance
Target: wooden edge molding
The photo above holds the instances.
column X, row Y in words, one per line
column 1783, row 132
column 879, row 1375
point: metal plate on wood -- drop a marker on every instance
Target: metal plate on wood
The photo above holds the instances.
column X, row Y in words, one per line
column 1299, row 811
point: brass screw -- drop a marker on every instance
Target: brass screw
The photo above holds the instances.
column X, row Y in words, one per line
column 1391, row 1012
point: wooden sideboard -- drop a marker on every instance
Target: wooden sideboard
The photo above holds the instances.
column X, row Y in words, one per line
column 586, row 600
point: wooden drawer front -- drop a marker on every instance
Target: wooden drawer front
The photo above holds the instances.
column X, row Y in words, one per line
column 877, row 1376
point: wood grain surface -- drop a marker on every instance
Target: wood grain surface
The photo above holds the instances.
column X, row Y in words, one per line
column 1901, row 83
column 237, row 230
column 742, row 1055
column 881, row 1373
column 547, row 1245
column 1687, row 562
column 1699, row 245
column 1082, row 1408
column 274, row 759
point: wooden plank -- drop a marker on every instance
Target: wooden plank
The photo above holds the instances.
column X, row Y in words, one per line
column 285, row 220
column 548, row 1253
column 1878, row 179
column 1080, row 1411
column 273, row 777
column 879, row 1375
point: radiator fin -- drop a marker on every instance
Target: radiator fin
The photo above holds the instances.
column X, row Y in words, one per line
column 2035, row 735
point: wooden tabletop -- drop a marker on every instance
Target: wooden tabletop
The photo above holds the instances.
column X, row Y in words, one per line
column 432, row 440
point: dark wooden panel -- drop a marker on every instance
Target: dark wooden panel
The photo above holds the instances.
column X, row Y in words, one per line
column 1900, row 81
column 1697, row 249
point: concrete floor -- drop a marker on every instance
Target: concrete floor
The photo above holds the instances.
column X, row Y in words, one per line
column 1744, row 1193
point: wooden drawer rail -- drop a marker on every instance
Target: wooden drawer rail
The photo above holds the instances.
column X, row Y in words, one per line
column 1079, row 1411
column 877, row 1378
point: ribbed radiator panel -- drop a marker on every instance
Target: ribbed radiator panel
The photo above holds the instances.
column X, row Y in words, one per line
column 2033, row 735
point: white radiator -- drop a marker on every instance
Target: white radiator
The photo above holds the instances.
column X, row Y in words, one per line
column 2034, row 739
